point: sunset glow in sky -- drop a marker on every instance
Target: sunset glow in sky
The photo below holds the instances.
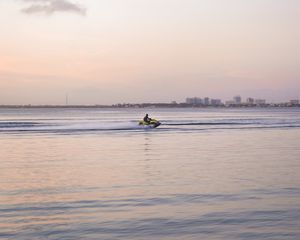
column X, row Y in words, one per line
column 110, row 51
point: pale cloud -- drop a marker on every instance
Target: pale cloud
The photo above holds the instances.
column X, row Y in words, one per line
column 49, row 7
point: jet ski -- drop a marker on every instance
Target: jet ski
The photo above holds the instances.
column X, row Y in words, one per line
column 152, row 124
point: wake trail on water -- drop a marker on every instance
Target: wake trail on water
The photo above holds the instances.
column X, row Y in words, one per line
column 204, row 123
column 67, row 126
column 84, row 125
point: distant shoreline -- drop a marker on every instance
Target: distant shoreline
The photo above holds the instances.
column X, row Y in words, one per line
column 156, row 105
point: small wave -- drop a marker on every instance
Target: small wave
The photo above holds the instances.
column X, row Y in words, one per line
column 17, row 124
column 230, row 223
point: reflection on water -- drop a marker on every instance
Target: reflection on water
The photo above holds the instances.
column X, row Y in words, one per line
column 218, row 184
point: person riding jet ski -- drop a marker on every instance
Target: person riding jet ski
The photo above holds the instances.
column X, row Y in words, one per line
column 149, row 122
column 147, row 119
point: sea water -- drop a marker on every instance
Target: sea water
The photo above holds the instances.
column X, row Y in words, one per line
column 203, row 174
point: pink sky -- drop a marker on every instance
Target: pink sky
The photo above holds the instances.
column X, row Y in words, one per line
column 104, row 52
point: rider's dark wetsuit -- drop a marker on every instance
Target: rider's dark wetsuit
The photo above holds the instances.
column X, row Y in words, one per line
column 147, row 119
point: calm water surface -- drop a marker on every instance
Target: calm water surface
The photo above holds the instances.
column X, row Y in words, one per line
column 203, row 174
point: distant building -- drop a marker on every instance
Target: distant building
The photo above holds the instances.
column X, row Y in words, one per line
column 229, row 103
column 260, row 101
column 194, row 101
column 294, row 102
column 216, row 102
column 250, row 100
column 189, row 100
column 206, row 101
column 237, row 99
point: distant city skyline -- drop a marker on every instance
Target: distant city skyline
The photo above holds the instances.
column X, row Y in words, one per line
column 237, row 99
column 105, row 52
